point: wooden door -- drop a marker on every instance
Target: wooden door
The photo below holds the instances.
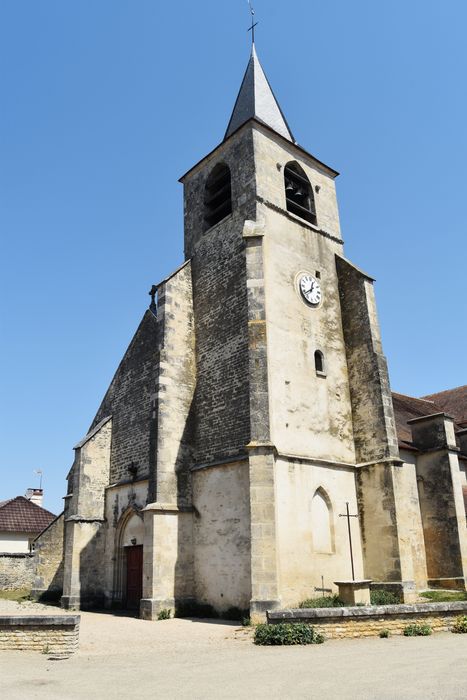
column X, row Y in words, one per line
column 134, row 576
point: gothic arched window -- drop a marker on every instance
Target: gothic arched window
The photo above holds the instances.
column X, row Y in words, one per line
column 321, row 523
column 299, row 192
column 217, row 195
column 319, row 362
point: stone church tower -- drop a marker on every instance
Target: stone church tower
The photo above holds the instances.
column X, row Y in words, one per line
column 252, row 404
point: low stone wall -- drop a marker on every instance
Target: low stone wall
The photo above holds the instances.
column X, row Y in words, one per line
column 16, row 571
column 338, row 623
column 57, row 635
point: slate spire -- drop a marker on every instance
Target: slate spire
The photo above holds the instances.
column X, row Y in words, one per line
column 256, row 100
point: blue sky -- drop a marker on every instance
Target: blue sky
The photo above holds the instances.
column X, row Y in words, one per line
column 106, row 103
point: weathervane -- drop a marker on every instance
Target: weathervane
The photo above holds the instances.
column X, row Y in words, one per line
column 253, row 23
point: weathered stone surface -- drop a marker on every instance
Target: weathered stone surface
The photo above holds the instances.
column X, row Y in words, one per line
column 338, row 623
column 16, row 571
column 128, row 401
column 224, row 449
column 48, row 561
column 51, row 634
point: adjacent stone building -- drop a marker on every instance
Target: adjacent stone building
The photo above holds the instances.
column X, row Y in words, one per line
column 22, row 520
column 253, row 404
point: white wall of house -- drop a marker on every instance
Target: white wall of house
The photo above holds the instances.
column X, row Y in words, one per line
column 15, row 542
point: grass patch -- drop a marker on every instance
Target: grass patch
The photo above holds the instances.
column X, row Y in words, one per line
column 286, row 633
column 416, row 630
column 460, row 625
column 444, row 596
column 380, row 597
column 326, row 601
column 384, row 634
column 18, row 595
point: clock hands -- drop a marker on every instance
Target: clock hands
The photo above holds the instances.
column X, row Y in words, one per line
column 310, row 289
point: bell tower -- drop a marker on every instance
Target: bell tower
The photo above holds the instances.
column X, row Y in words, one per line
column 292, row 405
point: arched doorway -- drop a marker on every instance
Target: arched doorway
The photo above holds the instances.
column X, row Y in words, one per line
column 129, row 564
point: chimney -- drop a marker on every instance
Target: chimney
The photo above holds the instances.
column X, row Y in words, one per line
column 35, row 495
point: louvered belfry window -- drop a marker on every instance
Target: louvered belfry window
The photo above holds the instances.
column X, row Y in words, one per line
column 218, row 196
column 299, row 193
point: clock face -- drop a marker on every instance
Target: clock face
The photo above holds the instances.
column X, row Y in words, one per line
column 310, row 289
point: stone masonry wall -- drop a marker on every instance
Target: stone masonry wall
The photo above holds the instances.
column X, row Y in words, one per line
column 373, row 415
column 174, row 390
column 16, row 571
column 48, row 560
column 339, row 623
column 220, row 303
column 128, row 400
column 57, row 635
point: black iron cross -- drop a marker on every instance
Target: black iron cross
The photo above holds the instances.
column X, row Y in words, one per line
column 322, row 590
column 348, row 516
column 253, row 23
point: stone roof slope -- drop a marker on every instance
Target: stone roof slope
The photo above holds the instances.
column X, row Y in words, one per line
column 256, row 100
column 22, row 515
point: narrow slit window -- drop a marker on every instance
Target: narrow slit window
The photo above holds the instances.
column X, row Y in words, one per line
column 319, row 362
column 217, row 196
column 299, row 193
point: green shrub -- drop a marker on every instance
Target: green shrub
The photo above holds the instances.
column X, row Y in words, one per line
column 444, row 596
column 380, row 597
column 384, row 634
column 286, row 633
column 164, row 614
column 416, row 630
column 193, row 609
column 246, row 622
column 326, row 601
column 460, row 625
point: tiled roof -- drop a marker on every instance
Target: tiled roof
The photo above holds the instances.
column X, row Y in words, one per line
column 22, row 515
column 407, row 407
column 452, row 401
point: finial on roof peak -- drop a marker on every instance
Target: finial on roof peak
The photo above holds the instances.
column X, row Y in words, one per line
column 253, row 24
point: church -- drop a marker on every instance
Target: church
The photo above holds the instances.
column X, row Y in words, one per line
column 253, row 408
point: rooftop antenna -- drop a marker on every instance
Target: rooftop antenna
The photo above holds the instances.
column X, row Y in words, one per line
column 253, row 23
column 39, row 474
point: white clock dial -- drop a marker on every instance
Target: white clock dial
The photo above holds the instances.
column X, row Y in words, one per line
column 310, row 289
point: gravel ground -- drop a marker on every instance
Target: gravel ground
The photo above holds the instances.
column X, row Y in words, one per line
column 121, row 657
column 11, row 607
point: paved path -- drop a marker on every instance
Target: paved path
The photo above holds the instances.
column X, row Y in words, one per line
column 122, row 657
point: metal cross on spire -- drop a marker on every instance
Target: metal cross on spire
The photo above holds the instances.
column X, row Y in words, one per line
column 253, row 23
